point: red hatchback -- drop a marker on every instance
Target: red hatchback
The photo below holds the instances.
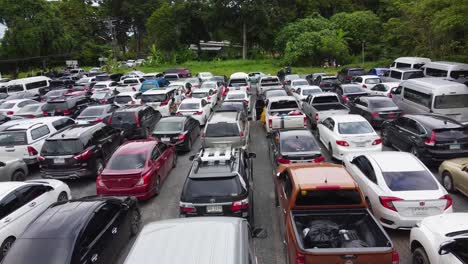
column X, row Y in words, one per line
column 137, row 168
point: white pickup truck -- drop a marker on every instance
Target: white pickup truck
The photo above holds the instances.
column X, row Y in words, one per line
column 283, row 112
column 130, row 85
column 268, row 83
column 322, row 105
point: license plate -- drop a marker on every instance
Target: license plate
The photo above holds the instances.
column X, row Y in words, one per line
column 59, row 161
column 420, row 211
column 392, row 115
column 455, row 146
column 214, row 209
column 360, row 144
column 165, row 139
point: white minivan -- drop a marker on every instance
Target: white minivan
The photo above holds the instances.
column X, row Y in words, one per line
column 447, row 69
column 433, row 95
column 31, row 84
column 410, row 62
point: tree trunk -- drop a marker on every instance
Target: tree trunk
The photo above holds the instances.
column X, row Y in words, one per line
column 244, row 41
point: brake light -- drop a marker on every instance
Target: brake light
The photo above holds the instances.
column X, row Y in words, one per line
column 316, row 117
column 395, row 257
column 32, row 151
column 137, row 120
column 389, row 95
column 97, row 120
column 164, row 102
column 431, row 141
column 449, row 201
column 83, row 156
column 241, row 134
column 67, row 112
column 270, row 123
column 187, row 208
column 342, row 143
column 377, row 142
column 319, row 159
column 182, row 137
column 305, row 121
column 145, row 179
column 248, row 88
column 246, row 102
column 349, row 78
column 283, row 160
column 134, row 89
column 387, row 202
column 45, row 113
column 10, row 113
column 109, row 120
column 300, row 259
column 345, row 99
column 103, row 101
column 198, row 113
column 375, row 114
column 239, row 205
column 40, row 158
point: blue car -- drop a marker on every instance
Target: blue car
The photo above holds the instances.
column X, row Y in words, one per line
column 153, row 84
column 378, row 71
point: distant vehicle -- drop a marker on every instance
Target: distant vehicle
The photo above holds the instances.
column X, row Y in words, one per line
column 454, row 175
column 297, row 83
column 446, row 69
column 327, row 83
column 11, row 107
column 195, row 82
column 150, row 85
column 409, row 62
column 378, row 71
column 239, row 81
column 230, row 129
column 96, row 114
column 204, row 76
column 375, row 109
column 268, row 83
column 153, row 76
column 254, row 77
column 159, row 99
column 346, row 75
column 12, row 169
column 283, row 112
column 130, row 85
column 182, row 131
column 105, row 85
column 69, row 106
column 232, row 107
column 182, row 72
column 350, row 92
column 384, row 88
column 239, row 96
column 54, row 94
column 171, row 77
column 367, row 81
column 136, row 121
column 210, row 95
column 31, row 111
column 399, row 75
column 322, row 105
column 23, row 95
column 32, row 84
column 127, row 98
column 104, row 96
column 303, row 92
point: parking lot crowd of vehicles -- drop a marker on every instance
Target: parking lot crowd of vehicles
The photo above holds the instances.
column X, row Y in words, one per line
column 126, row 132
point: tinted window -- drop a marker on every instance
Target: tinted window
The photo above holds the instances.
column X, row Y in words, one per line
column 31, row 192
column 123, row 99
column 300, row 83
column 93, row 111
column 222, row 130
column 417, row 97
column 7, row 105
column 298, row 143
column 189, row 106
column 127, row 161
column 55, row 106
column 39, row 132
column 451, row 101
column 62, row 147
column 382, row 103
column 29, row 108
column 410, row 181
column 352, row 89
column 15, row 88
column 153, row 97
column 413, row 75
column 325, row 99
column 283, row 105
column 310, row 91
column 350, row 128
column 373, row 81
column 119, row 118
column 62, row 123
column 36, row 85
column 212, row 187
column 403, row 65
column 168, row 126
column 328, row 197
column 11, row 138
column 395, row 74
column 9, row 204
column 460, row 249
column 459, row 74
column 436, row 72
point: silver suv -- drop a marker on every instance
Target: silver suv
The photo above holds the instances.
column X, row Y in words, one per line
column 226, row 129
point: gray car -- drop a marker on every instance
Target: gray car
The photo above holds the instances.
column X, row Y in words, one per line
column 12, row 169
column 31, row 111
column 226, row 129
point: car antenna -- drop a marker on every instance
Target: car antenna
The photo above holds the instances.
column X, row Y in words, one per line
column 326, row 181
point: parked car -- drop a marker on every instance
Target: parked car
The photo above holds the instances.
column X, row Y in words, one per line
column 136, row 121
column 151, row 85
column 399, row 189
column 283, row 112
column 346, row 134
column 21, row 203
column 181, row 131
column 31, row 111
column 96, row 114
column 294, row 146
column 431, row 138
column 375, row 109
column 69, row 106
column 104, row 96
column 126, row 98
column 454, row 174
column 399, row 75
column 204, row 76
column 55, row 94
column 159, row 99
column 10, row 107
column 367, row 81
column 268, row 83
column 384, row 88
column 137, row 168
column 254, row 77
column 239, row 81
column 440, row 239
column 345, row 75
column 319, row 106
column 199, row 109
column 219, row 183
column 326, row 219
column 297, row 83
column 226, row 129
column 378, row 71
column 182, row 72
column 12, row 169
column 326, row 83
column 111, row 85
column 303, row 92
column 232, row 107
column 86, row 230
column 216, row 86
column 239, row 96
column 210, row 95
column 349, row 92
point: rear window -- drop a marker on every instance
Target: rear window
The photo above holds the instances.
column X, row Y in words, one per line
column 212, row 187
column 238, row 82
column 119, row 118
column 189, row 106
column 123, row 99
column 301, row 83
column 99, row 86
column 228, row 107
column 9, row 138
column 208, row 85
column 168, row 126
column 373, row 81
column 352, row 89
column 29, row 108
column 356, row 72
column 382, row 104
column 325, row 99
column 93, row 111
column 450, row 101
column 100, row 95
column 153, row 97
column 283, row 105
column 413, row 75
column 149, row 86
column 352, row 128
column 328, row 197
column 222, row 130
column 298, row 143
column 132, row 81
column 199, row 95
column 235, row 96
column 133, row 161
column 62, row 147
column 55, row 106
column 410, row 181
column 274, row 93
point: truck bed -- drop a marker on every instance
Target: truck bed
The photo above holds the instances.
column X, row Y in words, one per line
column 328, row 107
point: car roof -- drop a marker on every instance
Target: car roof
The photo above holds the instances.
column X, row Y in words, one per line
column 369, row 76
column 309, row 176
column 434, row 121
column 394, row 161
column 347, row 118
column 75, row 131
column 438, row 84
column 7, row 187
column 104, row 82
column 16, row 101
column 127, row 93
column 207, row 240
column 223, row 117
column 27, row 123
column 97, row 106
column 237, row 92
column 136, row 146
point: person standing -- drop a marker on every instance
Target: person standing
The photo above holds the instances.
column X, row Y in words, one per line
column 173, row 107
column 188, row 92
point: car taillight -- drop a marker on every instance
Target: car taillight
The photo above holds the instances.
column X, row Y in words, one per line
column 387, row 202
column 99, row 181
column 187, row 208
column 182, row 137
column 97, row 120
column 134, row 89
column 67, row 112
column 209, row 97
column 305, row 121
column 40, row 158
column 248, row 88
column 198, row 113
column 145, row 179
column 83, row 156
column 319, row 159
column 377, row 142
column 270, row 123
column 316, row 117
column 10, row 113
column 300, row 259
column 375, row 114
column 179, row 113
column 395, row 257
column 241, row 133
column 345, row 99
column 164, row 103
column 449, row 201
column 389, row 95
column 137, row 120
column 239, row 205
column 342, row 143
column 282, row 160
column 109, row 119
column 32, row 151
column 431, row 141
column 45, row 113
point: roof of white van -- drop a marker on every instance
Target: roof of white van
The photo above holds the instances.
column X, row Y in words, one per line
column 29, row 79
column 239, row 75
column 448, row 64
column 413, row 59
column 438, row 84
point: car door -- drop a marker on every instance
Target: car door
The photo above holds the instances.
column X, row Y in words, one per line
column 12, row 216
column 366, row 177
column 408, row 134
column 462, row 179
column 273, row 146
column 158, row 166
column 326, row 130
column 166, row 156
column 284, row 192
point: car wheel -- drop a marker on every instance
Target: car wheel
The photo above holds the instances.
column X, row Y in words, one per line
column 158, row 185
column 447, row 181
column 6, row 245
column 136, row 220
column 63, row 197
column 99, row 167
column 420, row 256
column 384, row 138
column 18, row 175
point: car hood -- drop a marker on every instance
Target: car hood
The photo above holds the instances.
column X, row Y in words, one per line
column 460, row 161
column 446, row 223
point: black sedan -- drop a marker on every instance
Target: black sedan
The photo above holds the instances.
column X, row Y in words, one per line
column 87, row 230
column 294, row 146
column 375, row 109
column 431, row 138
column 349, row 92
column 96, row 113
column 182, row 131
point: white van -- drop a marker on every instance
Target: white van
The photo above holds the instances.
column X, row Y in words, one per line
column 31, row 84
column 410, row 62
column 159, row 99
column 447, row 69
column 433, row 95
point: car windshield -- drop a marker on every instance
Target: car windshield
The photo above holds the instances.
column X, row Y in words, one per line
column 62, row 147
column 134, row 161
column 235, row 107
column 328, row 197
column 352, row 89
column 189, row 106
column 93, row 111
column 222, row 130
column 283, row 105
column 153, row 97
column 311, row 91
column 8, row 138
column 55, row 106
column 297, row 83
column 235, row 96
column 450, row 101
column 29, row 108
column 208, row 85
column 31, row 250
column 212, row 187
column 123, row 99
column 353, row 128
column 298, row 143
column 130, row 81
column 120, row 118
column 100, row 95
column 168, row 126
column 410, row 181
column 382, row 104
column 413, row 75
column 199, row 94
column 274, row 93
column 373, row 81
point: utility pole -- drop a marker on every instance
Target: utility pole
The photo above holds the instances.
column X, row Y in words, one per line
column 244, row 40
column 363, row 47
column 110, row 24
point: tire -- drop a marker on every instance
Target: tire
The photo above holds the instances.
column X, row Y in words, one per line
column 18, row 175
column 158, row 186
column 447, row 182
column 384, row 138
column 63, row 197
column 420, row 256
column 6, row 245
column 99, row 167
column 135, row 223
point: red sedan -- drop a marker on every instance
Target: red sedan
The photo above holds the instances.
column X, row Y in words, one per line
column 137, row 168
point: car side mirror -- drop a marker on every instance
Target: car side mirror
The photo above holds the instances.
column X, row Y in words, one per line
column 252, row 155
column 191, row 158
column 259, row 233
column 353, row 161
column 446, row 247
column 2, row 164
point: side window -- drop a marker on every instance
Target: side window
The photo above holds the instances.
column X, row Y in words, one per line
column 62, row 123
column 287, row 184
column 22, row 104
column 414, row 127
column 398, row 90
column 366, row 168
column 155, row 153
column 331, row 125
column 358, row 79
column 364, row 103
column 401, row 121
column 436, row 72
column 30, row 193
column 418, row 97
column 162, row 147
column 9, row 204
column 98, row 223
column 40, row 132
column 395, row 74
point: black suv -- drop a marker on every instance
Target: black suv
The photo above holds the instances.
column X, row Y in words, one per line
column 346, row 75
column 219, row 183
column 67, row 106
column 78, row 151
column 136, row 121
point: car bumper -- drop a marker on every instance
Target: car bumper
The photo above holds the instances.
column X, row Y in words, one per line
column 394, row 220
column 343, row 151
column 30, row 161
column 434, row 155
column 142, row 193
column 69, row 174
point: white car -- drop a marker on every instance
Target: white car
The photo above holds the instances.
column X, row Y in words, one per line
column 440, row 239
column 159, row 99
column 210, row 95
column 367, row 81
column 199, row 109
column 10, row 107
column 127, row 98
column 212, row 85
column 301, row 93
column 86, row 80
column 22, row 202
column 344, row 134
column 239, row 96
column 130, row 85
column 111, row 85
column 204, row 76
column 399, row 189
column 297, row 83
column 95, row 69
column 384, row 88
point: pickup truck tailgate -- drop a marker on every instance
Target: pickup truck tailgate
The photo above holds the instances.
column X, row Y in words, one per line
column 354, row 258
column 288, row 121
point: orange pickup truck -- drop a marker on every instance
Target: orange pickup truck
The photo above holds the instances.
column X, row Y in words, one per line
column 326, row 219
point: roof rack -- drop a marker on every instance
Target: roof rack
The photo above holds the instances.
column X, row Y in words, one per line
column 217, row 155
